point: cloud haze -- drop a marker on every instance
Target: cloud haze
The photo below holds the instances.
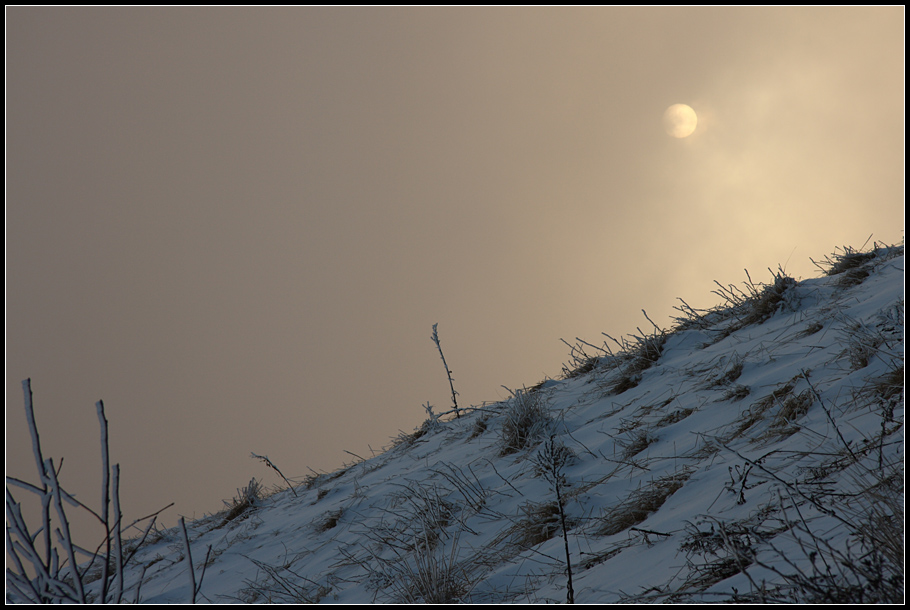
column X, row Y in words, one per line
column 238, row 226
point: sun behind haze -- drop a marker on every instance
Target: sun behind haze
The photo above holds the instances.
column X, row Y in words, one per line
column 237, row 226
column 680, row 120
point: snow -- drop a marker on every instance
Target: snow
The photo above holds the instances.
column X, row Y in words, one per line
column 724, row 469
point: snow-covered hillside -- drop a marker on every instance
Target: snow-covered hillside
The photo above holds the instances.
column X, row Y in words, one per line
column 753, row 452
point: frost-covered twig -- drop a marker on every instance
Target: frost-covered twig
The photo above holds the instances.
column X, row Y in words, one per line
column 551, row 461
column 118, row 541
column 435, row 338
column 825, row 409
column 56, row 579
column 67, row 538
column 275, row 468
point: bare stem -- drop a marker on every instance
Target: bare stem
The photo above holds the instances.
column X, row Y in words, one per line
column 189, row 561
column 275, row 468
column 435, row 338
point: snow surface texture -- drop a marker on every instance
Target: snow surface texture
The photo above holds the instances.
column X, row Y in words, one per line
column 749, row 454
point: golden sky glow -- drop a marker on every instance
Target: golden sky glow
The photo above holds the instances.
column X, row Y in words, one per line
column 237, row 226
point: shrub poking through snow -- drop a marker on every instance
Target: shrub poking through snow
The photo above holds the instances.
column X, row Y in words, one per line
column 245, row 498
column 844, row 259
column 432, row 576
column 551, row 463
column 525, row 422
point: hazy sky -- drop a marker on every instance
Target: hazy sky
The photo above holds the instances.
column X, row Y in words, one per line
column 238, row 226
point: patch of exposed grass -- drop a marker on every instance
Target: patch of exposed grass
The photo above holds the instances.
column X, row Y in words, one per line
column 581, row 367
column 756, row 412
column 431, row 424
column 811, row 329
column 319, row 479
column 641, row 503
column 599, row 558
column 581, row 363
column 791, row 409
column 624, row 383
column 480, row 426
column 764, row 302
column 245, row 499
column 754, row 305
column 852, row 277
column 890, row 384
column 709, row 574
column 675, row 416
column 539, row 523
column 638, row 442
column 636, row 355
column 730, row 375
column 328, row 520
column 862, row 345
column 736, row 392
column 843, row 259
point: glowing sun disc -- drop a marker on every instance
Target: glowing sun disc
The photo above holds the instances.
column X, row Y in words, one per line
column 680, row 120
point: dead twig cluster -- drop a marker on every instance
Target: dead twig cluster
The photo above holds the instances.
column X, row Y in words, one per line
column 39, row 574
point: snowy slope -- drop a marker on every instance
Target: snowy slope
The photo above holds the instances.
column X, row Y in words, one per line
column 741, row 455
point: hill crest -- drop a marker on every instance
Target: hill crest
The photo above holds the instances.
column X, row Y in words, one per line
column 752, row 453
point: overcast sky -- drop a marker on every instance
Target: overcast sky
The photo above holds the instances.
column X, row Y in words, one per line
column 238, row 226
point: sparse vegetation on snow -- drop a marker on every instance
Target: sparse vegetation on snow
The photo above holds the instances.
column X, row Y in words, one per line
column 752, row 453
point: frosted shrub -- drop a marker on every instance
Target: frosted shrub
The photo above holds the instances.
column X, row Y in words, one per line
column 525, row 421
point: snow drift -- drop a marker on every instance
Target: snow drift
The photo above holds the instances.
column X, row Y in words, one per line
column 752, row 453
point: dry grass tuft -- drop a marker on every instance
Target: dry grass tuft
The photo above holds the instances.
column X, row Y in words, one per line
column 675, row 416
column 756, row 412
column 480, row 426
column 638, row 442
column 329, row 520
column 793, row 408
column 844, row 259
column 891, row 384
column 862, row 345
column 754, row 305
column 539, row 523
column 764, row 302
column 811, row 329
column 736, row 392
column 641, row 503
column 432, row 577
column 636, row 356
column 730, row 375
column 624, row 383
column 581, row 368
column 525, row 422
column 245, row 499
column 319, row 479
column 852, row 277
